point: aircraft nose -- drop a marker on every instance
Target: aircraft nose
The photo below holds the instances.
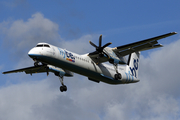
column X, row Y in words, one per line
column 32, row 53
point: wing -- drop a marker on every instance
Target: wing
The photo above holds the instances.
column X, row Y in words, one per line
column 140, row 45
column 118, row 53
column 41, row 69
column 28, row 70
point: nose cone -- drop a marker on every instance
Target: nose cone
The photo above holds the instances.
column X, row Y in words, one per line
column 32, row 53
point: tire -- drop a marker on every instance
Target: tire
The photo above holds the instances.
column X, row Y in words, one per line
column 63, row 88
column 117, row 76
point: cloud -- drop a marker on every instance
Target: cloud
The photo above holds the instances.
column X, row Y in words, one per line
column 156, row 96
column 22, row 35
column 80, row 45
column 40, row 100
column 12, row 99
column 162, row 69
column 14, row 3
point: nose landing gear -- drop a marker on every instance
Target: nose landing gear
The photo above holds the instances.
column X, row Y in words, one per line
column 36, row 63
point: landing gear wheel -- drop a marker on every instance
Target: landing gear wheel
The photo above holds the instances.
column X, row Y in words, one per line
column 117, row 76
column 63, row 88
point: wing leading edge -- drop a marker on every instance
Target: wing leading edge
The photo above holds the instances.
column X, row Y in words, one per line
column 140, row 45
column 29, row 70
column 41, row 69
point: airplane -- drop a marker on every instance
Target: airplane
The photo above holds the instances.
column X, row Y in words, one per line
column 63, row 63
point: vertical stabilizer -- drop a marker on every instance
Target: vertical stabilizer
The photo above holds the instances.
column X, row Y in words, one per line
column 133, row 63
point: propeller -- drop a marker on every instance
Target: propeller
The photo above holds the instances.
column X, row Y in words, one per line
column 99, row 49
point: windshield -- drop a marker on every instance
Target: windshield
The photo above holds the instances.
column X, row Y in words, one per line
column 42, row 45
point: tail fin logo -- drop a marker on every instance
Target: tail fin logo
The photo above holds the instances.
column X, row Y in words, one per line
column 135, row 68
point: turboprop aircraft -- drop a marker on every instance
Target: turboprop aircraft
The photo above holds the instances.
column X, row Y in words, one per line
column 49, row 58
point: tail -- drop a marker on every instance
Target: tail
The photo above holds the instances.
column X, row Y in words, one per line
column 133, row 63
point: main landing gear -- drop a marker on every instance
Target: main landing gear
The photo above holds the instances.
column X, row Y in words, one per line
column 63, row 87
column 117, row 76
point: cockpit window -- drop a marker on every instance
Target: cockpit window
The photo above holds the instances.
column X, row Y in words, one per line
column 46, row 45
column 42, row 45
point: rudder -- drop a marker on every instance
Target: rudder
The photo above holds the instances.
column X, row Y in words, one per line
column 133, row 63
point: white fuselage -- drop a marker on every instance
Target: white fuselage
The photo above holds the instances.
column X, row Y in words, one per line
column 81, row 64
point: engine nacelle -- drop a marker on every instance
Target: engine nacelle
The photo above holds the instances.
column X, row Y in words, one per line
column 117, row 61
column 113, row 58
column 59, row 72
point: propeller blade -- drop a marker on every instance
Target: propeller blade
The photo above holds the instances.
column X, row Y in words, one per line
column 100, row 40
column 93, row 44
column 99, row 49
column 107, row 44
column 106, row 54
column 94, row 53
